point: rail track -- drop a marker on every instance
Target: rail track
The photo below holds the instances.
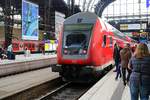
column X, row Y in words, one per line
column 71, row 91
column 68, row 91
column 55, row 89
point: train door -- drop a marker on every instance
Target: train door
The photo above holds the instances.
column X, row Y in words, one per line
column 21, row 48
column 29, row 46
column 15, row 47
column 33, row 46
column 109, row 48
column 26, row 46
column 37, row 46
column 104, row 50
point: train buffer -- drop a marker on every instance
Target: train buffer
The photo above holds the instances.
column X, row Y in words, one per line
column 108, row 89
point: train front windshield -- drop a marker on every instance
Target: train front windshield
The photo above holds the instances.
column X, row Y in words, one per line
column 76, row 39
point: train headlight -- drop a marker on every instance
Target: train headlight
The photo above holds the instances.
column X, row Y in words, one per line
column 65, row 51
column 84, row 51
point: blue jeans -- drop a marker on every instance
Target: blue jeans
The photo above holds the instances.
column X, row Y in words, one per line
column 136, row 89
column 118, row 70
column 9, row 54
column 116, row 64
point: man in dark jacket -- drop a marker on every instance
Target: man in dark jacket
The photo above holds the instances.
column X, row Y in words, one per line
column 116, row 56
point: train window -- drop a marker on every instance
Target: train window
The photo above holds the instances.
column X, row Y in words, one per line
column 76, row 40
column 15, row 45
column 111, row 42
column 104, row 41
column 21, row 46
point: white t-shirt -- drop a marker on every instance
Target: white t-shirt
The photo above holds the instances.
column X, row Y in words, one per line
column 9, row 48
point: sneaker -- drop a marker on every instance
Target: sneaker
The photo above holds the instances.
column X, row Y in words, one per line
column 116, row 79
column 124, row 84
column 127, row 82
column 114, row 70
column 120, row 76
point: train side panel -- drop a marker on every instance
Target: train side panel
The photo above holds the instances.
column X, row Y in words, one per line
column 59, row 49
column 101, row 53
column 95, row 45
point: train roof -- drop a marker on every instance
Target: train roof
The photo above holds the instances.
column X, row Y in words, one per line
column 90, row 18
column 82, row 18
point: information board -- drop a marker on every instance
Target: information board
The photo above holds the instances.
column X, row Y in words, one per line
column 30, row 13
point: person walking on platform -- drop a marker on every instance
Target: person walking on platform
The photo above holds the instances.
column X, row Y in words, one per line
column 43, row 50
column 1, row 52
column 25, row 52
column 9, row 51
column 116, row 56
column 139, row 81
column 125, row 55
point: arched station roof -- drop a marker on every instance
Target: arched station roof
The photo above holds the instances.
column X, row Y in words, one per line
column 58, row 5
column 101, row 5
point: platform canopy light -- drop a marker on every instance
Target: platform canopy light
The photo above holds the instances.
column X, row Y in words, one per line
column 44, row 33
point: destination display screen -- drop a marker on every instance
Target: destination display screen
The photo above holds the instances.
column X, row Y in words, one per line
column 78, row 27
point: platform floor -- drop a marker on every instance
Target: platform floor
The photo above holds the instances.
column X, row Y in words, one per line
column 22, row 58
column 108, row 89
column 16, row 83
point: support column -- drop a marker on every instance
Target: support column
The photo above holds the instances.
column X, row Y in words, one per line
column 8, row 22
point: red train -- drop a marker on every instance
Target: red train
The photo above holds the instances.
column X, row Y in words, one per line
column 19, row 46
column 86, row 46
